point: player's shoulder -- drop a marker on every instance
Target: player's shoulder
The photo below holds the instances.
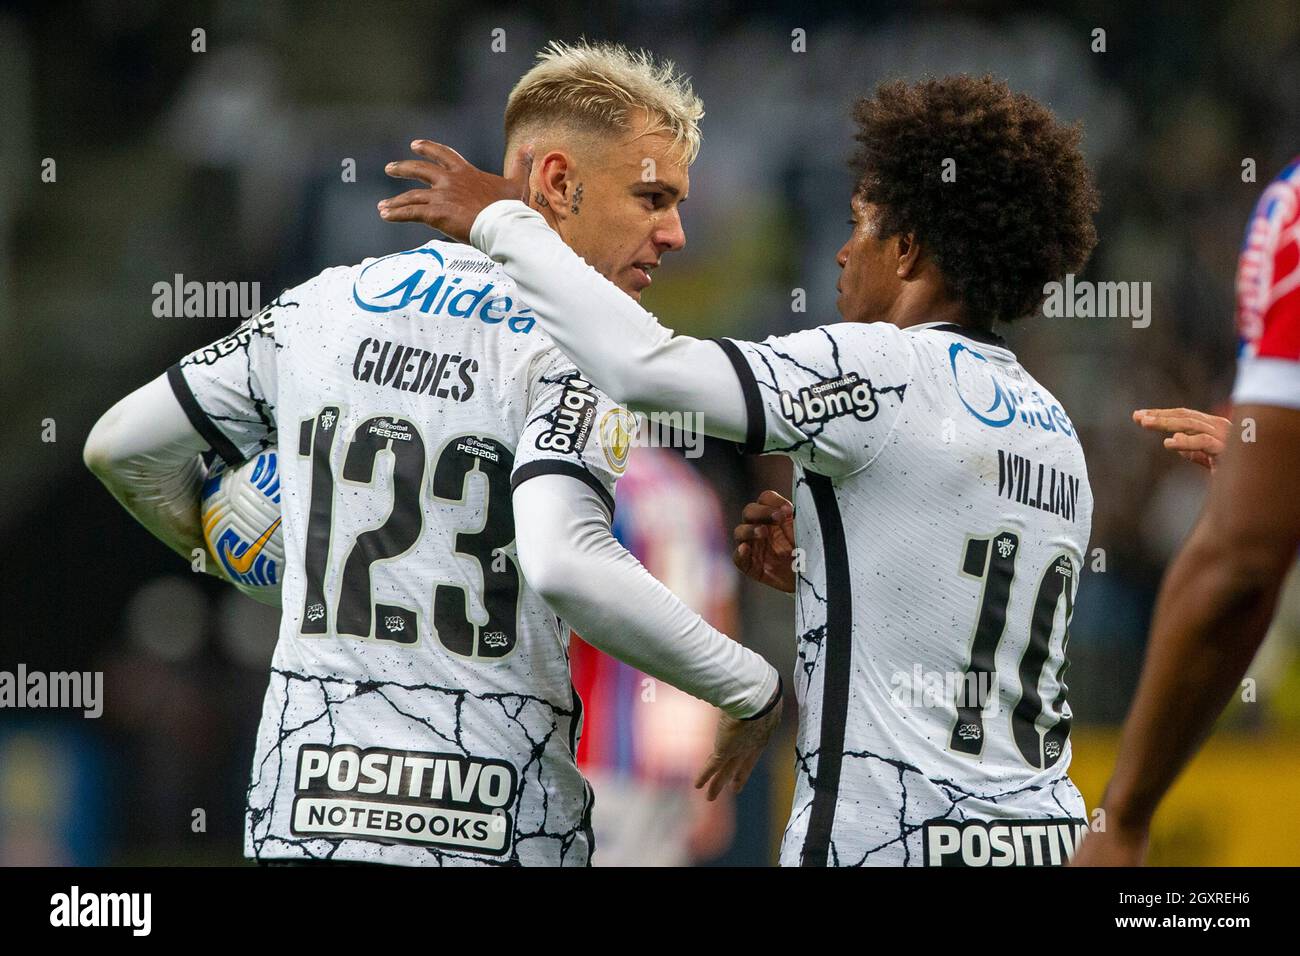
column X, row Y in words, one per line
column 1281, row 197
column 1268, row 298
column 874, row 344
column 1275, row 212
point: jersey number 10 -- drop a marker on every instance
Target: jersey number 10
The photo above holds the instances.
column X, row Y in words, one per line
column 993, row 560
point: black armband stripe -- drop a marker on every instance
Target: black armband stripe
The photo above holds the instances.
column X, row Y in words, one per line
column 776, row 699
column 204, row 425
column 554, row 466
column 755, row 420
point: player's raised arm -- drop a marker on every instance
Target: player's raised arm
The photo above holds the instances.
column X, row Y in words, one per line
column 827, row 396
column 621, row 347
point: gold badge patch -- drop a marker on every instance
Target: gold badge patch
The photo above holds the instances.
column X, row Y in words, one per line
column 616, row 431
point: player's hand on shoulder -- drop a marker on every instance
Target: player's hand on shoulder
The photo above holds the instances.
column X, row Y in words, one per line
column 765, row 541
column 1198, row 436
column 737, row 746
column 455, row 190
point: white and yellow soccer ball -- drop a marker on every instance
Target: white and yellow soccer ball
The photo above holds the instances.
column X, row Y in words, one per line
column 240, row 509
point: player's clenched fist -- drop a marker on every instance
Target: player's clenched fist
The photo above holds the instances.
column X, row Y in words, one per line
column 1197, row 436
column 456, row 190
column 765, row 541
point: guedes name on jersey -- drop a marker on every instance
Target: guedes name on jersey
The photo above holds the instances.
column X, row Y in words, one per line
column 411, row 369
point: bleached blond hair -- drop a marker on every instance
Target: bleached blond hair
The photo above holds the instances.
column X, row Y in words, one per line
column 595, row 87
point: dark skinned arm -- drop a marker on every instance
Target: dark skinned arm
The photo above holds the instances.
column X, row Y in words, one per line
column 1213, row 610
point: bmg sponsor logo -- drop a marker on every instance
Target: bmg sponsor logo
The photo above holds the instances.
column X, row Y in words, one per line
column 850, row 395
column 395, row 796
column 1049, row 842
column 572, row 419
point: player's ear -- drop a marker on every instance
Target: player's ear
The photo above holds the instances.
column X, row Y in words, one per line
column 552, row 182
column 909, row 254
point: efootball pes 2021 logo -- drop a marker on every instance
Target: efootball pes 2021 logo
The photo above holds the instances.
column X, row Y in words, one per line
column 396, row 796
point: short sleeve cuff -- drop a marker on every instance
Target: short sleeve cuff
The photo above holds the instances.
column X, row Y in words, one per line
column 204, row 425
column 553, row 466
column 1267, row 381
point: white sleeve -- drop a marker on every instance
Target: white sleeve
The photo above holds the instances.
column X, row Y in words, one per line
column 228, row 388
column 573, row 428
column 829, row 396
column 149, row 456
column 570, row 557
column 618, row 345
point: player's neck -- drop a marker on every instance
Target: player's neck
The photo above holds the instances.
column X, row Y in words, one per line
column 549, row 216
column 909, row 310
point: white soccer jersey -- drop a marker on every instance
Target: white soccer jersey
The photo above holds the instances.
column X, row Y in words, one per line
column 420, row 708
column 943, row 513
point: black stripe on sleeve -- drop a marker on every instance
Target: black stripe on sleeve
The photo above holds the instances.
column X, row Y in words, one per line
column 836, row 672
column 755, row 421
column 776, row 699
column 555, row 466
column 204, row 425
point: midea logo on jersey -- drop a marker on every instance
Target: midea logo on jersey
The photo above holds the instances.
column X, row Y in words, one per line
column 822, row 402
column 997, row 403
column 437, row 296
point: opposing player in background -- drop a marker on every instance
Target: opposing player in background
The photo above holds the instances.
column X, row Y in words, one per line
column 447, row 491
column 943, row 499
column 644, row 741
column 1219, row 594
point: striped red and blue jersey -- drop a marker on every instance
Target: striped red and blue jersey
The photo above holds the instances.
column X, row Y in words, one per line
column 1268, row 297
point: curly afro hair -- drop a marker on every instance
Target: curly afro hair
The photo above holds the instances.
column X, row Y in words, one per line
column 1019, row 213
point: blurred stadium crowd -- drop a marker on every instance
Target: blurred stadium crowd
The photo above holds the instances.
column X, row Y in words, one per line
column 229, row 165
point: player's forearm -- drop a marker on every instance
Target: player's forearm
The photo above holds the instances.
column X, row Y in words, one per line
column 1210, row 618
column 617, row 344
column 148, row 457
column 569, row 556
column 166, row 505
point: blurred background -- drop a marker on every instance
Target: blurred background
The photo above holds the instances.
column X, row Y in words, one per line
column 229, row 164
